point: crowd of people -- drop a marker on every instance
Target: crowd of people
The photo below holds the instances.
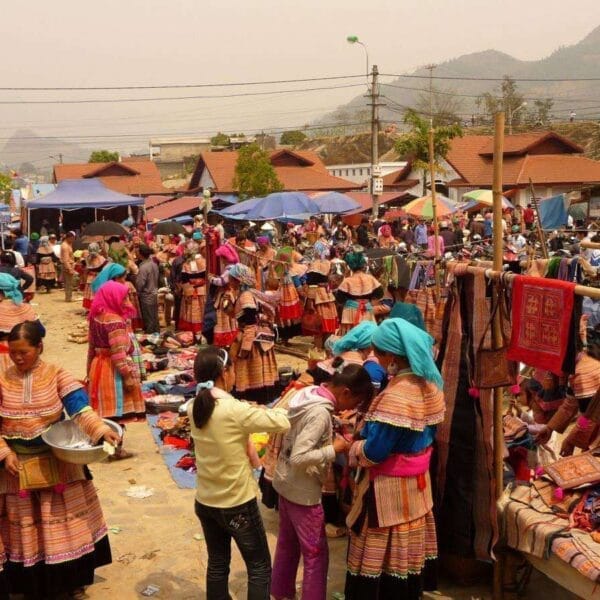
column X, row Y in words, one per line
column 367, row 405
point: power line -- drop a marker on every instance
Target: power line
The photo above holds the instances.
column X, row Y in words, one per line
column 174, row 86
column 470, row 78
column 145, row 135
column 161, row 99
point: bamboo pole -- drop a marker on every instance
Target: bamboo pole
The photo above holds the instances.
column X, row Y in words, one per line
column 434, row 209
column 498, row 395
column 580, row 290
column 538, row 220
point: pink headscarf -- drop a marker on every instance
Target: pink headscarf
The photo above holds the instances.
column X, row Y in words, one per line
column 110, row 298
column 229, row 253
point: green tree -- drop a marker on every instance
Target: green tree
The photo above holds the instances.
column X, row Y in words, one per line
column 414, row 145
column 6, row 186
column 540, row 114
column 254, row 173
column 508, row 101
column 103, row 156
column 292, row 138
column 221, row 139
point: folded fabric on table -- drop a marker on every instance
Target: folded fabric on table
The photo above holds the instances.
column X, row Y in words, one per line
column 528, row 524
column 581, row 552
column 541, row 319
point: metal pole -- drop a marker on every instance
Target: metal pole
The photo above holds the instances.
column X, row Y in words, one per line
column 436, row 229
column 496, row 331
column 374, row 139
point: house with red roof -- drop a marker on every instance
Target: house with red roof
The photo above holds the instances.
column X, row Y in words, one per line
column 554, row 164
column 297, row 170
column 133, row 177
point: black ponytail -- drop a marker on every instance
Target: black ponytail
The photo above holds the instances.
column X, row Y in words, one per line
column 356, row 378
column 208, row 366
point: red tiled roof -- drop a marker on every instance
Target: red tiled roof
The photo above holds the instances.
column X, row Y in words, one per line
column 174, row 208
column 152, row 201
column 468, row 156
column 140, row 178
column 523, row 143
column 297, row 170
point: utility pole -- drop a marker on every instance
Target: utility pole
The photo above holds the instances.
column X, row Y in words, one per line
column 376, row 181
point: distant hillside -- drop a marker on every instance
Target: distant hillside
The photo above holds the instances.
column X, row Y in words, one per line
column 578, row 61
column 25, row 146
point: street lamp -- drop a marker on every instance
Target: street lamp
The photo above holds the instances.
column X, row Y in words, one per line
column 511, row 114
column 353, row 39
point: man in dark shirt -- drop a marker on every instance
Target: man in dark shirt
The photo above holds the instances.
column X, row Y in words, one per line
column 146, row 284
column 447, row 236
column 362, row 233
column 175, row 285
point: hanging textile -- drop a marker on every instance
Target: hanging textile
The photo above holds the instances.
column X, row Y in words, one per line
column 432, row 308
column 542, row 311
column 465, row 504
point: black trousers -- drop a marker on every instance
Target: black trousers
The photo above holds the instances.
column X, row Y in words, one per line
column 149, row 308
column 244, row 524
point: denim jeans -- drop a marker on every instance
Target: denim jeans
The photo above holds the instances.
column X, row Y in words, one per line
column 244, row 524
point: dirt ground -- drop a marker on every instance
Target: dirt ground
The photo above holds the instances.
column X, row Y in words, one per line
column 157, row 540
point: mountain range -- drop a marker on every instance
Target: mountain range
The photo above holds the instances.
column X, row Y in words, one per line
column 579, row 61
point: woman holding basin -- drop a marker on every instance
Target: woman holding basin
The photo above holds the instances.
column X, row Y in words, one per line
column 52, row 531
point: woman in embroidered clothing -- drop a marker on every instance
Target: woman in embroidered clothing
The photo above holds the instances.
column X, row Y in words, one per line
column 318, row 293
column 393, row 538
column 52, row 532
column 356, row 292
column 114, row 378
column 226, row 490
column 46, row 262
column 253, row 350
column 193, row 273
column 289, row 308
column 94, row 262
column 226, row 329
column 12, row 312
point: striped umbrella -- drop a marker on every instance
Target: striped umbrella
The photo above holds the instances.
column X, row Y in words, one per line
column 421, row 207
column 485, row 198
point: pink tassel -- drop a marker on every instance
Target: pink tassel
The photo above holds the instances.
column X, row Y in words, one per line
column 539, row 471
column 559, row 493
column 59, row 488
column 474, row 392
column 515, row 390
column 583, row 422
column 23, row 493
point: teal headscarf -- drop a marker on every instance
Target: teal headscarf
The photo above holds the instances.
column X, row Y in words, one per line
column 110, row 271
column 409, row 312
column 355, row 260
column 402, row 338
column 358, row 338
column 9, row 286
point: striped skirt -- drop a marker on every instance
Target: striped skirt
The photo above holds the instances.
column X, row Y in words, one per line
column 256, row 374
column 46, row 270
column 108, row 396
column 88, row 294
column 290, row 308
column 192, row 312
column 52, row 540
column 353, row 316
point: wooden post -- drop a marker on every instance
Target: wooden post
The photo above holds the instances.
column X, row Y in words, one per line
column 538, row 220
column 434, row 209
column 496, row 331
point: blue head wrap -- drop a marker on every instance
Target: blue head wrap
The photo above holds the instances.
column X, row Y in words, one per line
column 321, row 249
column 402, row 338
column 197, row 236
column 110, row 271
column 9, row 286
column 358, row 338
column 243, row 274
column 409, row 312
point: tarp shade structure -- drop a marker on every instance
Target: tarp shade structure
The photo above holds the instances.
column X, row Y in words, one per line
column 554, row 211
column 73, row 194
column 174, row 208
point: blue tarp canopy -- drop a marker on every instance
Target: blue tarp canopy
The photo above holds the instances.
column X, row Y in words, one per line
column 72, row 194
column 554, row 211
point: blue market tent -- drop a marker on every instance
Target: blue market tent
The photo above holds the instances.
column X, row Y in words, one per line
column 72, row 194
column 85, row 195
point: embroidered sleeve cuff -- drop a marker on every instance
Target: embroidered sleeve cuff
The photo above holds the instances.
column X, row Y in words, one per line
column 92, row 425
column 4, row 450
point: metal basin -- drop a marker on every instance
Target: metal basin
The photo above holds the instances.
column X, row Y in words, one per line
column 66, row 433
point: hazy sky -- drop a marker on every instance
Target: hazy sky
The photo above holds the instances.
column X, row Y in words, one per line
column 154, row 42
